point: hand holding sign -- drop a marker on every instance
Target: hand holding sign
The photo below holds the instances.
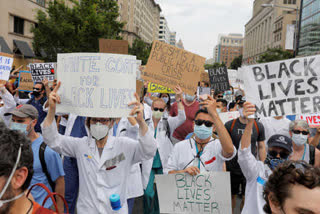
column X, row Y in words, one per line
column 248, row 110
column 54, row 98
column 178, row 92
column 211, row 105
column 192, row 170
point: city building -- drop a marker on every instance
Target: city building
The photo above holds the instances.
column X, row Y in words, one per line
column 268, row 27
column 173, row 38
column 141, row 18
column 309, row 36
column 228, row 47
column 180, row 44
column 164, row 31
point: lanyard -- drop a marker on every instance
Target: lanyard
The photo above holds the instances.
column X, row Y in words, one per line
column 198, row 155
column 304, row 152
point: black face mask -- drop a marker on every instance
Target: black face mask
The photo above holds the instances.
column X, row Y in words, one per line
column 36, row 93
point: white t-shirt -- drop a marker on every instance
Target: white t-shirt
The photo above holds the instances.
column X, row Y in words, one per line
column 273, row 126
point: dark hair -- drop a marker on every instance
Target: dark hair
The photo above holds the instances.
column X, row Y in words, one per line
column 287, row 174
column 223, row 101
column 169, row 101
column 42, row 85
column 232, row 88
column 10, row 142
column 217, row 92
column 202, row 110
column 231, row 105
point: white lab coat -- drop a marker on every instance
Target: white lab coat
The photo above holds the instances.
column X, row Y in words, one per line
column 252, row 170
column 185, row 151
column 164, row 144
column 125, row 129
column 99, row 177
column 9, row 105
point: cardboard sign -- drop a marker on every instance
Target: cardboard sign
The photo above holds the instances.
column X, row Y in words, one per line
column 227, row 116
column 219, row 79
column 113, row 46
column 6, row 61
column 171, row 66
column 207, row 192
column 204, row 77
column 156, row 88
column 41, row 71
column 287, row 87
column 139, row 88
column 96, row 84
column 312, row 119
column 25, row 81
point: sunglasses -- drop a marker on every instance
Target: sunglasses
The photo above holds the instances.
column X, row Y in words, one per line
column 36, row 89
column 299, row 132
column 220, row 96
column 205, row 122
column 283, row 155
column 159, row 109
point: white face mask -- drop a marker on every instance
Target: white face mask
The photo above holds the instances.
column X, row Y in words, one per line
column 299, row 139
column 99, row 130
column 157, row 114
column 2, row 202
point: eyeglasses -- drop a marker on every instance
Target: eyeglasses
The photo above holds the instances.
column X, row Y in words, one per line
column 159, row 109
column 283, row 155
column 205, row 122
column 299, row 132
column 220, row 96
column 95, row 120
column 36, row 89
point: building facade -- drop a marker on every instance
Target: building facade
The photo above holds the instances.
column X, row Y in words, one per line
column 164, row 31
column 268, row 27
column 228, row 47
column 141, row 18
column 309, row 36
column 173, row 38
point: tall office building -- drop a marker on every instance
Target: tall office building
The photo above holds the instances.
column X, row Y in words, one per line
column 164, row 31
column 173, row 38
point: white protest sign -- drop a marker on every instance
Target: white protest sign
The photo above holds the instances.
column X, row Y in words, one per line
column 233, row 75
column 239, row 80
column 312, row 119
column 287, row 87
column 41, row 71
column 96, row 84
column 227, row 116
column 203, row 91
column 5, row 66
column 139, row 62
column 208, row 192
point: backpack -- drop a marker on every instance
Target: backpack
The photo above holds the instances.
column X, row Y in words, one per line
column 312, row 152
column 234, row 123
column 42, row 149
column 51, row 195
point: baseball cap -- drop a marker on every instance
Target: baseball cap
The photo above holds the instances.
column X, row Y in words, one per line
column 280, row 141
column 24, row 111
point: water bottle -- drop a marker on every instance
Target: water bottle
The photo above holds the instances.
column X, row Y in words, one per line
column 115, row 202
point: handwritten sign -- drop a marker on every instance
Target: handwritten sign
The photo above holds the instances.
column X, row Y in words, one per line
column 139, row 88
column 207, row 192
column 25, row 81
column 171, row 66
column 41, row 71
column 227, row 116
column 219, row 79
column 6, row 61
column 286, row 87
column 156, row 88
column 312, row 119
column 204, row 77
column 96, row 84
column 113, row 46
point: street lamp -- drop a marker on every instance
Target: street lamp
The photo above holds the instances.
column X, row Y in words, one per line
column 296, row 28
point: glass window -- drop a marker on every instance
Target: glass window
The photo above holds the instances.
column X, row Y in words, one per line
column 43, row 3
column 18, row 25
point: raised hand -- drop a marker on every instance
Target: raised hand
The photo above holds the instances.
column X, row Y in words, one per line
column 211, row 105
column 137, row 109
column 178, row 92
column 54, row 98
column 248, row 109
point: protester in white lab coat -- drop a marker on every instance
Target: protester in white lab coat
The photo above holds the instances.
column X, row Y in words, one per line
column 104, row 161
column 256, row 172
column 9, row 104
column 202, row 152
column 163, row 128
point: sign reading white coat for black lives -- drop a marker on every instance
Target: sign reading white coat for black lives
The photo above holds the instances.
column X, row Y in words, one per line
column 287, row 87
column 96, row 84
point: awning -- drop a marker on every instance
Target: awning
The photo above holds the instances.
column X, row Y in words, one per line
column 24, row 48
column 4, row 46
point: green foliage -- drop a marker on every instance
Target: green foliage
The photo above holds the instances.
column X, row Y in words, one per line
column 215, row 65
column 236, row 63
column 275, row 54
column 78, row 28
column 141, row 50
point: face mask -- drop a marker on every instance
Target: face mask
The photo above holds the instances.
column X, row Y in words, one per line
column 36, row 93
column 19, row 127
column 99, row 131
column 241, row 112
column 228, row 93
column 299, row 139
column 190, row 98
column 2, row 202
column 203, row 132
column 218, row 110
column 165, row 99
column 157, row 114
column 273, row 162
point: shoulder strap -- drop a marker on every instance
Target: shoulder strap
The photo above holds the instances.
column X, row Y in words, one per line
column 232, row 125
column 257, row 127
column 312, row 153
column 44, row 165
column 167, row 127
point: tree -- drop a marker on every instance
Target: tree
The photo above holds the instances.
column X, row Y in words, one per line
column 236, row 62
column 275, row 54
column 141, row 50
column 215, row 65
column 77, row 28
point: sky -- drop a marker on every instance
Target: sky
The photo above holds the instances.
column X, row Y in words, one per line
column 199, row 22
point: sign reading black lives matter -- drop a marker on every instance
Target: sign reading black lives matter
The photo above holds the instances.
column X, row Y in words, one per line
column 287, row 87
column 41, row 71
column 219, row 79
column 208, row 192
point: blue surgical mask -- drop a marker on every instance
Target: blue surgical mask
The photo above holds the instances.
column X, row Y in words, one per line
column 273, row 162
column 165, row 99
column 19, row 127
column 227, row 92
column 203, row 132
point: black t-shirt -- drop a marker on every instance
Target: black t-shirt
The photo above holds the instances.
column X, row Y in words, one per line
column 236, row 135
